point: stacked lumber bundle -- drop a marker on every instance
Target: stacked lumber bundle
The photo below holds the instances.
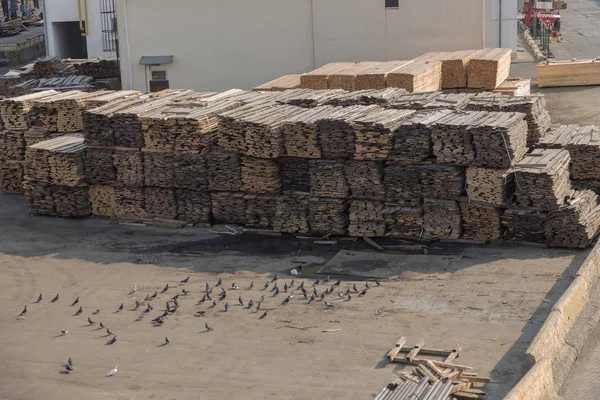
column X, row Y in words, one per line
column 14, row 111
column 295, row 175
column 365, row 179
column 160, row 203
column 291, row 215
column 51, row 66
column 403, row 221
column 412, row 139
column 452, row 139
column 280, row 84
column 492, row 186
column 190, row 171
column 327, row 216
column 99, row 166
column 586, row 184
column 568, row 73
column 307, row 98
column 441, row 220
column 130, row 202
column 104, row 97
column 97, row 127
column 260, row 176
column 70, row 110
column 103, row 201
column 300, row 132
column 455, row 66
column 414, row 101
column 575, row 225
column 43, row 114
column 11, row 177
column 129, row 166
column 402, row 184
column 449, row 101
column 228, row 207
column 515, row 87
column 61, row 201
column 56, row 161
column 418, row 76
column 489, row 68
column 193, row 206
column 366, row 97
column 558, row 136
column 336, row 131
column 327, row 179
column 480, row 222
column 319, row 78
column 376, row 75
column 34, row 136
column 260, row 210
column 224, row 171
column 442, row 182
column 543, row 179
column 73, row 82
column 584, row 149
column 500, row 139
column 159, row 168
column 366, row 218
column 97, row 68
column 346, row 78
column 13, row 145
column 524, row 225
column 374, row 133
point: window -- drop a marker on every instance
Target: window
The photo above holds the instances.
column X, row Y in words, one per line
column 159, row 75
column 392, row 3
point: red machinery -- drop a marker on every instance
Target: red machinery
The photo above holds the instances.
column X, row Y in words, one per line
column 544, row 10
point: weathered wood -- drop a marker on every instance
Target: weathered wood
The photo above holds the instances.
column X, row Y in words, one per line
column 11, row 177
column 291, row 215
column 524, row 225
column 584, row 150
column 295, row 175
column 366, row 218
column 103, row 201
column 327, row 179
column 402, row 184
column 553, row 73
column 261, row 210
column 576, row 224
column 403, row 221
column 492, row 186
column 365, row 179
column 328, row 216
column 441, row 220
column 224, row 171
column 442, row 182
column 500, row 139
column 57, row 161
column 14, row 111
column 61, row 201
column 260, row 176
column 374, row 133
column 480, row 222
column 228, row 207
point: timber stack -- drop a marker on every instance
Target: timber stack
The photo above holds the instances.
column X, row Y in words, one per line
column 576, row 224
column 480, row 221
column 524, row 225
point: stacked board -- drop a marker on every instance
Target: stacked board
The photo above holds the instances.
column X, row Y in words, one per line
column 489, row 68
column 568, row 73
column 280, row 84
column 576, row 224
column 418, row 76
column 319, row 78
column 376, row 75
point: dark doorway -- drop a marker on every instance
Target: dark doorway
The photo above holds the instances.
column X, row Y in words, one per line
column 68, row 40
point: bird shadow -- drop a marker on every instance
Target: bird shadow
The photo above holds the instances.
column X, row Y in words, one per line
column 63, row 372
column 98, row 329
column 57, row 336
column 223, row 311
column 84, row 326
column 161, row 345
column 205, row 331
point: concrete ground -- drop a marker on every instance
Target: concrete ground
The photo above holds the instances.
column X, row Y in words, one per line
column 22, row 36
column 493, row 302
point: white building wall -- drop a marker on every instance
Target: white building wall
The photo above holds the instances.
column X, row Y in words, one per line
column 504, row 23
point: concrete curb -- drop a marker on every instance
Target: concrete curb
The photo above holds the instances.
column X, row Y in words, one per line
column 537, row 53
column 539, row 382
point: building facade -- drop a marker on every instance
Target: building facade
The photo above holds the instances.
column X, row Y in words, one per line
column 214, row 45
column 80, row 28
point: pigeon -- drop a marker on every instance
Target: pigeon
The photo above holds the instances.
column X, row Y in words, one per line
column 292, row 283
column 39, row 298
column 250, row 304
column 208, row 328
column 174, row 309
column 312, row 298
column 257, row 307
column 347, row 291
column 275, row 278
column 168, row 307
column 219, row 282
column 68, row 367
column 121, row 307
column 76, row 301
column 287, row 299
column 367, row 285
column 70, row 361
column 112, row 372
column 101, row 325
column 155, row 295
column 133, row 290
column 285, row 287
column 326, row 279
column 317, row 281
column 177, row 296
column 226, row 306
column 96, row 312
column 377, row 282
column 108, row 331
column 79, row 311
column 165, row 314
column 276, row 292
column 186, row 280
column 140, row 317
column 54, row 299
column 338, row 283
column 90, row 321
column 301, row 286
column 251, row 285
column 294, row 272
column 24, row 311
column 331, row 289
column 148, row 309
column 210, row 290
column 176, row 302
column 137, row 305
column 322, row 296
column 185, row 292
column 158, row 319
column 202, row 300
column 266, row 285
column 262, row 298
column 274, row 288
column 315, row 291
column 354, row 288
column 304, row 290
column 349, row 297
column 208, row 296
column 112, row 341
column 165, row 289
column 223, row 295
column 340, row 295
column 201, row 312
column 167, row 340
column 64, row 331
column 235, row 286
column 328, row 304
column 207, row 288
column 214, row 303
column 264, row 314
column 361, row 294
column 241, row 301
column 305, row 295
column 222, row 291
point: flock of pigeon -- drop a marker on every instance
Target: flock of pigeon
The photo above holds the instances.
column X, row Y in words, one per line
column 171, row 306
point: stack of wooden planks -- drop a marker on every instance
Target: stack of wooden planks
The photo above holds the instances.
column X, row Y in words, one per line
column 224, row 171
column 328, row 216
column 376, row 75
column 366, row 218
column 366, row 97
column 307, row 98
column 492, row 186
column 11, row 177
column 15, row 111
column 228, row 207
column 365, row 179
column 291, row 214
column 514, row 87
column 500, row 139
column 418, row 76
column 319, row 78
column 103, row 201
column 403, row 221
column 568, row 73
column 300, row 132
column 454, row 67
column 261, row 210
column 489, row 68
column 129, row 166
column 280, row 84
column 327, row 179
column 294, row 173
column 260, row 176
column 52, row 66
column 61, row 201
column 97, row 68
column 542, row 179
column 414, row 101
column 524, row 225
column 480, row 221
column 193, row 206
column 160, row 203
column 374, row 133
column 584, row 149
column 441, row 220
column 347, row 78
column 442, row 182
column 99, row 166
column 575, row 225
column 130, row 202
column 558, row 136
column 452, row 139
column 402, row 184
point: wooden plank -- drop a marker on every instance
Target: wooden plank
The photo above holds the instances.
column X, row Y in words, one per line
column 415, row 350
column 569, row 73
column 280, row 84
column 318, row 79
column 397, row 348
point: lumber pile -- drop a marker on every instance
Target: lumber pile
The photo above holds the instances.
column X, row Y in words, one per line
column 492, row 186
column 524, row 225
column 402, row 184
column 514, row 87
column 130, row 202
column 158, row 168
column 56, row 161
column 586, row 184
column 300, row 132
column 376, row 75
column 366, row 218
column 319, row 78
column 99, row 166
column 500, row 139
column 543, row 179
column 441, row 220
column 129, row 166
column 365, row 179
column 11, row 177
column 51, row 66
column 291, row 214
column 452, row 139
column 448, row 101
column 61, row 201
column 327, row 179
column 366, row 97
column 374, row 133
column 280, row 84
column 14, row 111
column 568, row 73
column 97, row 68
column 414, row 101
column 260, row 176
column 558, row 136
column 347, row 78
column 13, row 146
column 193, row 206
column 224, row 171
column 228, row 207
column 584, row 150
column 480, row 222
column 294, row 173
column 575, row 225
column 418, row 76
column 403, row 221
column 160, row 203
column 307, row 98
column 454, row 68
column 190, row 171
column 261, row 210
column 103, row 200
column 489, row 68
column 442, row 182
column 328, row 216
